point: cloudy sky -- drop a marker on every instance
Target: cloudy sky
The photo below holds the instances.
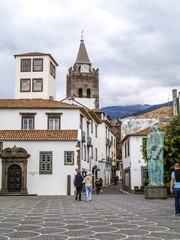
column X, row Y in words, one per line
column 134, row 43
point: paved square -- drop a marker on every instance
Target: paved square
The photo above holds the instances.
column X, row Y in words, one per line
column 110, row 215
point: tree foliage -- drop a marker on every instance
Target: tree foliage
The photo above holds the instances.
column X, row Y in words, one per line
column 171, row 147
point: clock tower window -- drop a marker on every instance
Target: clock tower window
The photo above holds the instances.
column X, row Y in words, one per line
column 80, row 93
column 88, row 93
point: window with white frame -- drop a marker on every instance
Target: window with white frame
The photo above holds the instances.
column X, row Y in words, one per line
column 96, row 154
column 54, row 121
column 45, row 163
column 68, row 158
column 127, row 149
column 27, row 121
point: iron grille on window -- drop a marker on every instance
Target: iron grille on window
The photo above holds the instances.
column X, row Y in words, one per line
column 69, row 158
column 46, row 163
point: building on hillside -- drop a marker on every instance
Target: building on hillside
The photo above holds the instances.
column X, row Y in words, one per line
column 136, row 123
column 83, row 81
column 176, row 102
column 134, row 167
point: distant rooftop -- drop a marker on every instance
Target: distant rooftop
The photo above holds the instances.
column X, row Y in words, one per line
column 164, row 112
column 38, row 135
column 34, row 103
column 36, row 54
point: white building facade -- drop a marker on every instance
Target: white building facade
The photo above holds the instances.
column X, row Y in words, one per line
column 59, row 139
column 134, row 166
column 133, row 131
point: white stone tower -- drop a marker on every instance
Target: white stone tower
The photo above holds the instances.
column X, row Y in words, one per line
column 35, row 76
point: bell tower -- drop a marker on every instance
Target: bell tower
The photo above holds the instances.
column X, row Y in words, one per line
column 83, row 81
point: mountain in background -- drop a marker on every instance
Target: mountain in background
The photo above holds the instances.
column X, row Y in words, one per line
column 132, row 110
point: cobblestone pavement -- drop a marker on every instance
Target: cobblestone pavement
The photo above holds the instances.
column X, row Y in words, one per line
column 110, row 215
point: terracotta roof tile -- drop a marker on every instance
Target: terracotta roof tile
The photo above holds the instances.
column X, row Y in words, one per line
column 34, row 103
column 36, row 54
column 148, row 130
column 164, row 112
column 38, row 135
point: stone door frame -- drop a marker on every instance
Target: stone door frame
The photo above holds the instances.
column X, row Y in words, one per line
column 14, row 156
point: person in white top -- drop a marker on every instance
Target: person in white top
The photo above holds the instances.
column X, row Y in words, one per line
column 88, row 186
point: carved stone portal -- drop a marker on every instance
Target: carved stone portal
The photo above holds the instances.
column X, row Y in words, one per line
column 14, row 171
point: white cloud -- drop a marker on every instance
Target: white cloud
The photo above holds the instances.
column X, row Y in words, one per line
column 135, row 44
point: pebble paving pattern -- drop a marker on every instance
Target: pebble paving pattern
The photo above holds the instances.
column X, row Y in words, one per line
column 109, row 216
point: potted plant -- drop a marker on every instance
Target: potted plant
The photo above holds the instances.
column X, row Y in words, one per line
column 95, row 166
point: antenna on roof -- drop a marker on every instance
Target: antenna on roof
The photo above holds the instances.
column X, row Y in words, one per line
column 168, row 99
column 82, row 35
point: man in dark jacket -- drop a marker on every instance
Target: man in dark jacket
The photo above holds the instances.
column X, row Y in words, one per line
column 78, row 184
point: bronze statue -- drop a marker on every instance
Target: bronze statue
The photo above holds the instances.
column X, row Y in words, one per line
column 155, row 145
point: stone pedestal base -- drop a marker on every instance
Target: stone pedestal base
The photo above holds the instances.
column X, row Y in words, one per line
column 155, row 192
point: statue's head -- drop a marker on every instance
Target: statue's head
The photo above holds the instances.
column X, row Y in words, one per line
column 157, row 128
column 152, row 129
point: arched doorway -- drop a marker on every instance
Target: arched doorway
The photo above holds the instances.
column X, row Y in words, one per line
column 14, row 178
column 14, row 171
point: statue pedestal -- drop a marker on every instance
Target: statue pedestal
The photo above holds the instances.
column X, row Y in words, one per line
column 155, row 192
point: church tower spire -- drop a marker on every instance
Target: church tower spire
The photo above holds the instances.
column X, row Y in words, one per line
column 83, row 81
column 82, row 56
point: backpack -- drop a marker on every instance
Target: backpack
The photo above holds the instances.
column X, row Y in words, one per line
column 177, row 175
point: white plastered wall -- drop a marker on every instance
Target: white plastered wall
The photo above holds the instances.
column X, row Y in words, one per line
column 137, row 160
column 49, row 83
column 51, row 184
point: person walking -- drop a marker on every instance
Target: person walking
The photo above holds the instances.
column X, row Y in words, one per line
column 88, row 186
column 101, row 185
column 97, row 183
column 78, row 184
column 175, row 181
